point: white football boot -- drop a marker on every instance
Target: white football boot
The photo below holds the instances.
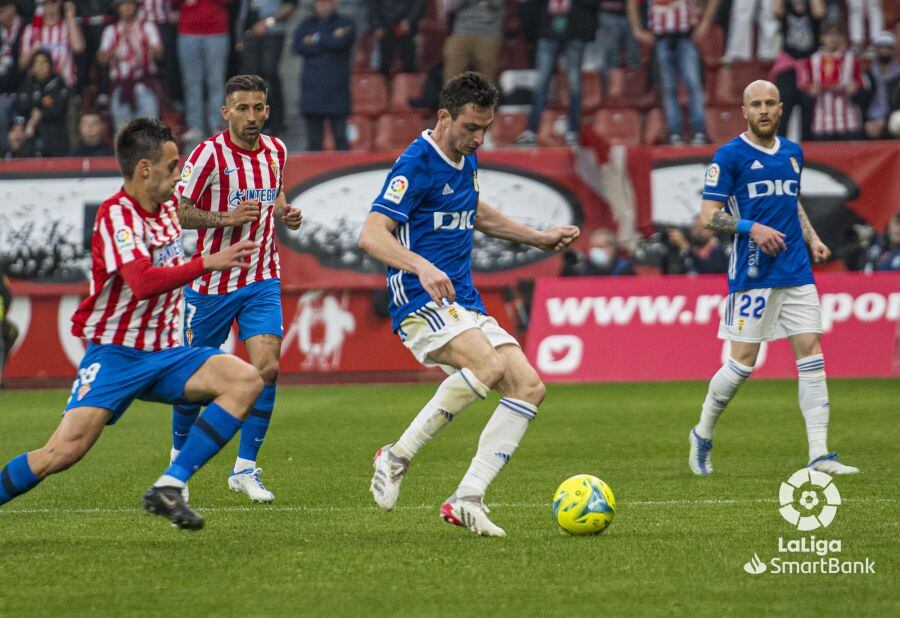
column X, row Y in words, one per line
column 389, row 473
column 829, row 464
column 700, row 459
column 470, row 513
column 247, row 482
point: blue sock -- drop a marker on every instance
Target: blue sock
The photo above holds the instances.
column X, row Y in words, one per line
column 183, row 417
column 211, row 431
column 16, row 478
column 257, row 423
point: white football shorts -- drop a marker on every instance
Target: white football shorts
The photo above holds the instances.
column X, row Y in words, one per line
column 764, row 314
column 433, row 326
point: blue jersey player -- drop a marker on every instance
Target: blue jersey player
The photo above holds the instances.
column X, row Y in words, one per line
column 421, row 225
column 751, row 190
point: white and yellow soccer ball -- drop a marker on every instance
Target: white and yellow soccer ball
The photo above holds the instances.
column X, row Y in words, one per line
column 583, row 504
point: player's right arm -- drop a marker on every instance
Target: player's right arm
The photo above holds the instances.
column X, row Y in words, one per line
column 378, row 240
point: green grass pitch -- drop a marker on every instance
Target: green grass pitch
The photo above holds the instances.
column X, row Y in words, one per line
column 78, row 544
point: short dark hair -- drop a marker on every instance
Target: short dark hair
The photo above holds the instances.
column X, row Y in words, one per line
column 246, row 83
column 43, row 51
column 142, row 138
column 466, row 88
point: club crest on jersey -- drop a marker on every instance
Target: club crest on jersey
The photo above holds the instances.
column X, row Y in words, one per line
column 453, row 313
column 396, row 189
column 186, row 171
column 266, row 196
column 189, row 335
column 795, row 165
column 712, row 175
column 475, row 181
column 124, row 239
column 276, row 171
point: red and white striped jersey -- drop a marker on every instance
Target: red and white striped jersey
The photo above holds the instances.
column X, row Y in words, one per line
column 123, row 231
column 156, row 11
column 130, row 47
column 835, row 111
column 671, row 16
column 54, row 39
column 217, row 177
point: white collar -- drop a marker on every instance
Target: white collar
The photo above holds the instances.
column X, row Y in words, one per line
column 462, row 161
column 769, row 151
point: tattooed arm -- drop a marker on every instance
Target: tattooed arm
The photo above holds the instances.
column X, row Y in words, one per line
column 820, row 252
column 192, row 217
column 770, row 240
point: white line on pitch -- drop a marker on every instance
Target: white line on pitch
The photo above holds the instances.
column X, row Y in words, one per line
column 417, row 507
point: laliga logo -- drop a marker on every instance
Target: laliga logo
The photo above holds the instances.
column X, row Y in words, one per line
column 765, row 188
column 809, row 489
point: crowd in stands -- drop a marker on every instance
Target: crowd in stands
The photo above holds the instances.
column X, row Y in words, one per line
column 646, row 71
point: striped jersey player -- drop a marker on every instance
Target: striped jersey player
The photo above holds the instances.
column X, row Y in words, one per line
column 232, row 190
column 752, row 190
column 129, row 321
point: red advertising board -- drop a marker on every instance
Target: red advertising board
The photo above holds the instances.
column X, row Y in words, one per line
column 664, row 328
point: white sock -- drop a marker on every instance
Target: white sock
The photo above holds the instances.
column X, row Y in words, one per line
column 454, row 395
column 813, row 395
column 722, row 389
column 173, row 454
column 168, row 481
column 242, row 464
column 498, row 442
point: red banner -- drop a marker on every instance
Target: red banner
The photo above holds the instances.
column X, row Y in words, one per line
column 664, row 328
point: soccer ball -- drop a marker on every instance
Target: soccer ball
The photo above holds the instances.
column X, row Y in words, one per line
column 584, row 505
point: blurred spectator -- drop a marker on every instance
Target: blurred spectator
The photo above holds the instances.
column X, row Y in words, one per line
column 92, row 136
column 834, row 80
column 203, row 33
column 603, row 258
column 11, row 26
column 60, row 35
column 18, row 144
column 567, row 26
column 697, row 252
column 673, row 33
column 394, row 24
column 164, row 15
column 740, row 31
column 615, row 38
column 883, row 76
column 799, row 23
column 529, row 12
column 262, row 24
column 884, row 254
column 43, row 101
column 857, row 13
column 325, row 40
column 476, row 38
column 93, row 17
column 131, row 47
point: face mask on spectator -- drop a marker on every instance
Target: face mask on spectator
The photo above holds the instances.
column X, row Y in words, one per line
column 599, row 257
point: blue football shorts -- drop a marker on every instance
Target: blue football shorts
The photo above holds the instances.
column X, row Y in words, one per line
column 257, row 308
column 111, row 376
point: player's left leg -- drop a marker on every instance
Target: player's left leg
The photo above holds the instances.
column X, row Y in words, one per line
column 814, row 404
column 260, row 328
column 73, row 438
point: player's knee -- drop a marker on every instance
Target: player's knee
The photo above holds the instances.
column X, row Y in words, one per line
column 269, row 372
column 245, row 383
column 530, row 389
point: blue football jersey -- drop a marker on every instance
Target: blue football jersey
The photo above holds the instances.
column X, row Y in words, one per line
column 762, row 185
column 435, row 201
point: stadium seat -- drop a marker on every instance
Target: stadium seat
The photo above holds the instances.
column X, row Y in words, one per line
column 618, row 126
column 404, row 87
column 507, row 127
column 724, row 123
column 630, row 88
column 431, row 50
column 712, row 47
column 552, row 130
column 369, row 94
column 731, row 80
column 591, row 92
column 359, row 134
column 396, row 131
column 513, row 54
